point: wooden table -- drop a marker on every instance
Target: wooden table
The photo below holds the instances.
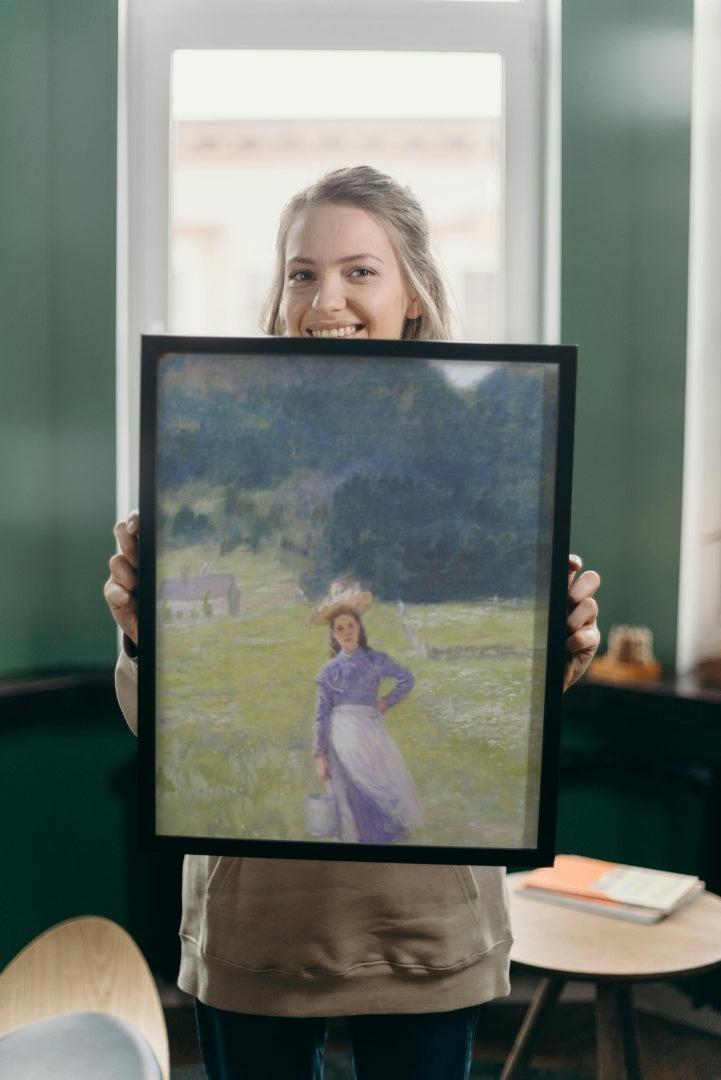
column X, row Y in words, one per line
column 563, row 944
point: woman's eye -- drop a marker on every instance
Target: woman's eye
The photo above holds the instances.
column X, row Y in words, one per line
column 362, row 272
column 300, row 276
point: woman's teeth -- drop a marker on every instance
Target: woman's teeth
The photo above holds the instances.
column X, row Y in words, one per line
column 337, row 331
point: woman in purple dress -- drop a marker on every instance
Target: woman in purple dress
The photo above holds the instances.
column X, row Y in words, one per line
column 375, row 797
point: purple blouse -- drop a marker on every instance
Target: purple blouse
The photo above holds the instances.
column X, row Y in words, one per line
column 353, row 679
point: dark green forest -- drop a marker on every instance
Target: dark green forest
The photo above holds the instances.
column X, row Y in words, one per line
column 379, row 470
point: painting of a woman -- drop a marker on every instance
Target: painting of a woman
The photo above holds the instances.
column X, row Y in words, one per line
column 376, row 799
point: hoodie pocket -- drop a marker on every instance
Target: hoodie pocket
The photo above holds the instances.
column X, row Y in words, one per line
column 294, row 916
column 202, row 875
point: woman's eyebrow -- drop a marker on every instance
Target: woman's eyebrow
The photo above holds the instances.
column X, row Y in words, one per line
column 361, row 257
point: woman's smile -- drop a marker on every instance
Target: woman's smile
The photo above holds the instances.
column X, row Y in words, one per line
column 335, row 331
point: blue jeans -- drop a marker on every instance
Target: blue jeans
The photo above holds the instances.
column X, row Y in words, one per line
column 415, row 1046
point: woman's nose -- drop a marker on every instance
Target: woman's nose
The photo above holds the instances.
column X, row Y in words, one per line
column 329, row 296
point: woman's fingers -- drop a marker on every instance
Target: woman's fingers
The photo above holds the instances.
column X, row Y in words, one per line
column 123, row 572
column 582, row 607
column 583, row 636
column 575, row 562
column 121, row 587
column 126, row 534
column 123, row 607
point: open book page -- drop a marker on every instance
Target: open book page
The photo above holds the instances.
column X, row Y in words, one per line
column 652, row 888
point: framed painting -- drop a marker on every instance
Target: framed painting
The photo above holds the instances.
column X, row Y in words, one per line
column 352, row 597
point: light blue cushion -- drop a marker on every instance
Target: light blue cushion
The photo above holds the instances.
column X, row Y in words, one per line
column 79, row 1046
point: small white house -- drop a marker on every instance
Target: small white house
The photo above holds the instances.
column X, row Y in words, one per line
column 197, row 597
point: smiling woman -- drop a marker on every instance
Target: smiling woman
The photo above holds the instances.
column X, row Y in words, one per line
column 353, row 259
column 352, row 287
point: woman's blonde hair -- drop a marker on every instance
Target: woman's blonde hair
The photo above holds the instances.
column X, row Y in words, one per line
column 403, row 217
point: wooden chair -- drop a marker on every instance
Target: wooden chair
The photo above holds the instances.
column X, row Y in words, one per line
column 80, row 975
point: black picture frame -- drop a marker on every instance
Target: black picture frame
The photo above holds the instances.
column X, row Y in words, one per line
column 434, row 476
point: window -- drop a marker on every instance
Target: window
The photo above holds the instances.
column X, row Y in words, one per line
column 227, row 107
column 236, row 161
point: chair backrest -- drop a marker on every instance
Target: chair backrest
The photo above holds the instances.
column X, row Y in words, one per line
column 87, row 964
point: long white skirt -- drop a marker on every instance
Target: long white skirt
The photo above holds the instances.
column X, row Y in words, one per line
column 377, row 801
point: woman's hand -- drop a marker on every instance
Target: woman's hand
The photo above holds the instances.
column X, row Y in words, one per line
column 122, row 585
column 322, row 768
column 583, row 635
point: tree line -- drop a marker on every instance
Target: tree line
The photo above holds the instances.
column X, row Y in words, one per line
column 383, row 471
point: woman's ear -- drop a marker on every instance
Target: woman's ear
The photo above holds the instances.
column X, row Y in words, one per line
column 415, row 309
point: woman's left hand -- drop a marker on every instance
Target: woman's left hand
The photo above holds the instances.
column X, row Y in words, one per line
column 583, row 635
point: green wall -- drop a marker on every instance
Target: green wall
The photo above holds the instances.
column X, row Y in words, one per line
column 625, row 200
column 58, row 73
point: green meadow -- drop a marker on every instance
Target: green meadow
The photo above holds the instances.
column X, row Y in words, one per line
column 236, row 701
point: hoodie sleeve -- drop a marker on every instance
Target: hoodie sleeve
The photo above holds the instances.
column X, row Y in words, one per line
column 126, row 688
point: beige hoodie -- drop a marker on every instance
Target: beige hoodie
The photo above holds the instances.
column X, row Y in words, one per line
column 284, row 937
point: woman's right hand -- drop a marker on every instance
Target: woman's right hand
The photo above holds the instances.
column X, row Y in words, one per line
column 122, row 585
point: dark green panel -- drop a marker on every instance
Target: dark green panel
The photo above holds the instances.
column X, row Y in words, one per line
column 67, row 784
column 58, row 75
column 626, row 816
column 82, row 271
column 26, row 395
column 69, row 800
column 626, row 161
column 641, row 776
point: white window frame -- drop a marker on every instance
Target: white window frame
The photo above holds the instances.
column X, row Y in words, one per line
column 526, row 34
column 699, row 597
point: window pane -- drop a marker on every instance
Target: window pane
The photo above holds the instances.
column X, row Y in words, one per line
column 252, row 127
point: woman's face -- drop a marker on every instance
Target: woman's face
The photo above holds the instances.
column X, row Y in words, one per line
column 346, row 631
column 342, row 277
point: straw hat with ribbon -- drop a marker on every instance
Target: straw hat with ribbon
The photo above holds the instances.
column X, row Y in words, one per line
column 342, row 596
